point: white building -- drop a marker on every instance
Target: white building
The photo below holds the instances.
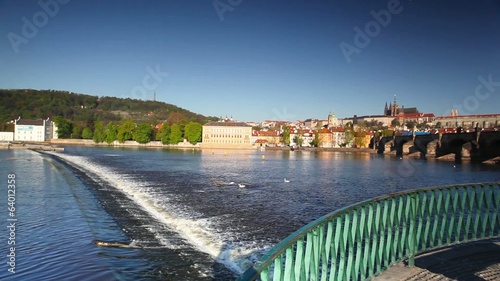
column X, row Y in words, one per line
column 34, row 130
column 227, row 135
column 6, row 136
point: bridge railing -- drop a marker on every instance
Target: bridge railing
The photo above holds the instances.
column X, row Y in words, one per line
column 360, row 241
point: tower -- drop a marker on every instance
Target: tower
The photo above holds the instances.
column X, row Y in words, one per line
column 394, row 107
column 332, row 120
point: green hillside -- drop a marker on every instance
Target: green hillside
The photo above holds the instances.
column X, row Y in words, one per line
column 83, row 109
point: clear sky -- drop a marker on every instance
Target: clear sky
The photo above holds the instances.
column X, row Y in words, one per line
column 257, row 60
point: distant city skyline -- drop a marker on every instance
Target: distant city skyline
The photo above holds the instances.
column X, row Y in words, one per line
column 260, row 60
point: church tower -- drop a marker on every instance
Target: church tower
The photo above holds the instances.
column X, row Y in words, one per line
column 394, row 107
column 332, row 120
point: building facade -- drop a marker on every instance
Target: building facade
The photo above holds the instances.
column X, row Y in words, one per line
column 227, row 135
column 34, row 130
column 485, row 121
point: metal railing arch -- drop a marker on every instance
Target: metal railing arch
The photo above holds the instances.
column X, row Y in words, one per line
column 360, row 241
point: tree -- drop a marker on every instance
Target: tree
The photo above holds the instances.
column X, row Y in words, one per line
column 163, row 134
column 77, row 132
column 410, row 125
column 286, row 135
column 64, row 127
column 111, row 132
column 316, row 141
column 99, row 134
column 395, row 122
column 298, row 140
column 125, row 130
column 143, row 133
column 87, row 133
column 348, row 134
column 175, row 134
column 192, row 132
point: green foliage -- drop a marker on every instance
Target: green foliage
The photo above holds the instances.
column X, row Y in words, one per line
column 6, row 127
column 111, row 132
column 387, row 133
column 77, row 132
column 143, row 133
column 348, row 134
column 298, row 140
column 192, row 132
column 175, row 134
column 125, row 130
column 87, row 133
column 86, row 109
column 175, row 118
column 286, row 135
column 64, row 127
column 395, row 122
column 163, row 134
column 411, row 124
column 99, row 133
column 316, row 141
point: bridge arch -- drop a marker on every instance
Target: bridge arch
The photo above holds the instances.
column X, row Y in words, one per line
column 362, row 240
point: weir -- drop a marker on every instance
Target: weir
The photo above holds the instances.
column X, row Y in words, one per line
column 197, row 233
column 360, row 241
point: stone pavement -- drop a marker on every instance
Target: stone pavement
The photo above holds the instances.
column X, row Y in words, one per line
column 466, row 262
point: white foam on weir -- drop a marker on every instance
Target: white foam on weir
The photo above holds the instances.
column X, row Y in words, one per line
column 196, row 232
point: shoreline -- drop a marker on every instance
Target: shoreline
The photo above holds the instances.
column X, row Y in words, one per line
column 56, row 145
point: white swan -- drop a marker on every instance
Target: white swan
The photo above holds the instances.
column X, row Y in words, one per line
column 285, row 180
column 241, row 185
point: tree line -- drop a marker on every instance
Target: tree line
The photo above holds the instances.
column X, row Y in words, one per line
column 128, row 129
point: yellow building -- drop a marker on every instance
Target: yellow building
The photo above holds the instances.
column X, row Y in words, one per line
column 227, row 135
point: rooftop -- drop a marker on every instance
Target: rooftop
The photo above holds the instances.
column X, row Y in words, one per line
column 30, row 122
column 228, row 124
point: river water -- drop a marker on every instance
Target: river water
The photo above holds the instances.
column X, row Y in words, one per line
column 183, row 209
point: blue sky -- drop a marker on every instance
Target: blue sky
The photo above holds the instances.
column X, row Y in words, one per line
column 258, row 60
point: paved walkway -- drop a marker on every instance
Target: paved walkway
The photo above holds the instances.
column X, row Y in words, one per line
column 467, row 262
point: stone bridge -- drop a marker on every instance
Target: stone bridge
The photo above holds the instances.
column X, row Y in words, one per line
column 482, row 145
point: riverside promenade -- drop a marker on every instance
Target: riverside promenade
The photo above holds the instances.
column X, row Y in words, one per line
column 466, row 262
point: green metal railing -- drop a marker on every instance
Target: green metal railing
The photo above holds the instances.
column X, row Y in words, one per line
column 360, row 241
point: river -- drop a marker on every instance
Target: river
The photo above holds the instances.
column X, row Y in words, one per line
column 184, row 209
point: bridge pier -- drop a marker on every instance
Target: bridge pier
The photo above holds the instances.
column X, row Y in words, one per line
column 474, row 145
column 432, row 148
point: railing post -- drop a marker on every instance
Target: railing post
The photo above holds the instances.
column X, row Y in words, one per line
column 412, row 233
